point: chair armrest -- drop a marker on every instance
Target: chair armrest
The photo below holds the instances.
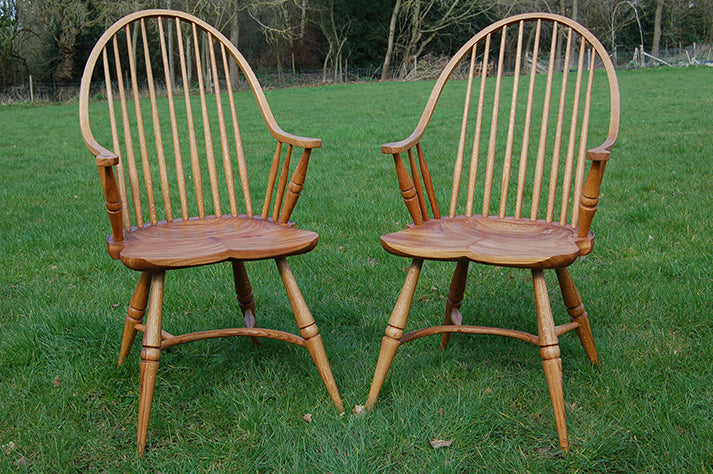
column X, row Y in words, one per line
column 403, row 145
column 602, row 152
column 104, row 157
column 302, row 142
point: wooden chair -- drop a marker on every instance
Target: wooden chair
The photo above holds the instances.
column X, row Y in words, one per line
column 166, row 148
column 528, row 85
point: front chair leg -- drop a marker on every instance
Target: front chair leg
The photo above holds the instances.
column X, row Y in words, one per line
column 576, row 311
column 309, row 331
column 550, row 352
column 394, row 331
column 135, row 314
column 150, row 354
column 246, row 301
column 455, row 298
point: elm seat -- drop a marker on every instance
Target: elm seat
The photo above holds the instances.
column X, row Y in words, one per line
column 168, row 165
column 521, row 195
column 490, row 240
column 196, row 242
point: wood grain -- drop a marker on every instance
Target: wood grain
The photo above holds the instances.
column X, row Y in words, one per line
column 490, row 240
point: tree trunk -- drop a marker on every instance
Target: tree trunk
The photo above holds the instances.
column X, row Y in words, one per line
column 390, row 45
column 67, row 46
column 657, row 28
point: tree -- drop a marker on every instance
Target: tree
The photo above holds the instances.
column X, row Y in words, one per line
column 422, row 20
column 12, row 34
column 336, row 36
column 65, row 21
column 390, row 46
column 282, row 22
column 657, row 28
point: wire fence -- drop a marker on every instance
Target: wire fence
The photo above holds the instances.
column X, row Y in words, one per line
column 429, row 68
column 30, row 91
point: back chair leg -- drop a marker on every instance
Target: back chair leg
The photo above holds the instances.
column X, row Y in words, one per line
column 550, row 352
column 576, row 311
column 394, row 331
column 455, row 298
column 246, row 301
column 135, row 314
column 309, row 331
column 150, row 354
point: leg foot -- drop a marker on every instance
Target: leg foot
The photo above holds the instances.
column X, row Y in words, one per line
column 309, row 331
column 576, row 311
column 150, row 355
column 397, row 322
column 553, row 374
column 550, row 352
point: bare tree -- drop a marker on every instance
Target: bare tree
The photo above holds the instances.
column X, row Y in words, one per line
column 390, row 44
column 657, row 28
column 422, row 20
column 336, row 36
column 12, row 34
column 65, row 20
column 281, row 22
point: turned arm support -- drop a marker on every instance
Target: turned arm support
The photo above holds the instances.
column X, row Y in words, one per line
column 408, row 190
column 589, row 200
column 106, row 160
column 294, row 188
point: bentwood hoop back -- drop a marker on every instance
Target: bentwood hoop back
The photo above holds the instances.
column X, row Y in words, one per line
column 535, row 91
column 174, row 173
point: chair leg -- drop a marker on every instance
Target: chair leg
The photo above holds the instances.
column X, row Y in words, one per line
column 135, row 314
column 576, row 311
column 394, row 331
column 455, row 298
column 150, row 354
column 246, row 301
column 550, row 352
column 309, row 331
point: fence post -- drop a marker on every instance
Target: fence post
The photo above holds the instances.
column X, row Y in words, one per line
column 32, row 92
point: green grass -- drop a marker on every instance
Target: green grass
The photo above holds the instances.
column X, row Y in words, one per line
column 222, row 406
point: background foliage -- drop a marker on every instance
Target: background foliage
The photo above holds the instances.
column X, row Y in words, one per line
column 50, row 39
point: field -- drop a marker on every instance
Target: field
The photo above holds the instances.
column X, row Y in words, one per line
column 222, row 406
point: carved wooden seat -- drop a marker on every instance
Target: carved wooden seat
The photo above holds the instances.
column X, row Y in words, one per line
column 520, row 152
column 158, row 153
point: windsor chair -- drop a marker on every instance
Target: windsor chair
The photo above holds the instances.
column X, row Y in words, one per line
column 536, row 80
column 166, row 147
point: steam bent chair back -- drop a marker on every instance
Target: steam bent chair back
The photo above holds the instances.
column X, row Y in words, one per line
column 174, row 171
column 524, row 100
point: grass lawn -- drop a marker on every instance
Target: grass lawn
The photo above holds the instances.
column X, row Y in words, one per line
column 222, row 406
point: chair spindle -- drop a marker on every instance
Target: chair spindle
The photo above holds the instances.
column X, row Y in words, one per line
column 541, row 149
column 507, row 162
column 487, row 188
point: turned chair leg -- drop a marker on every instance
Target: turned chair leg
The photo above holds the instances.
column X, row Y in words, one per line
column 246, row 301
column 394, row 331
column 455, row 298
column 550, row 352
column 135, row 314
column 576, row 311
column 150, row 354
column 309, row 331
